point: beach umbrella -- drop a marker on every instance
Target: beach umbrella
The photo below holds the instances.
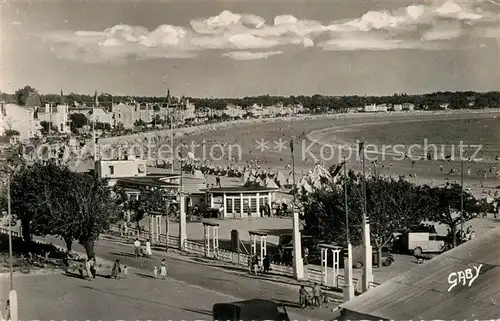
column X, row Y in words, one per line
column 280, row 178
column 270, row 183
column 258, row 180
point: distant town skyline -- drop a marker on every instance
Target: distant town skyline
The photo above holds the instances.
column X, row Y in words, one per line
column 233, row 48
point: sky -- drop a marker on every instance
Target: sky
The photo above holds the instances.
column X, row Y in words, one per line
column 237, row 48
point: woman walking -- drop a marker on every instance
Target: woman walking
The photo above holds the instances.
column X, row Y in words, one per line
column 149, row 252
column 163, row 269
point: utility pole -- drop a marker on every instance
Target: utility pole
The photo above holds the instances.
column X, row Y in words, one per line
column 298, row 264
column 368, row 265
column 348, row 288
column 9, row 215
column 461, row 193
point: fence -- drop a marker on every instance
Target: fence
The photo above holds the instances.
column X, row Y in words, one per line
column 311, row 273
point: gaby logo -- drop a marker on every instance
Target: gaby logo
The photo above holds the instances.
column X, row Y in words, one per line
column 462, row 277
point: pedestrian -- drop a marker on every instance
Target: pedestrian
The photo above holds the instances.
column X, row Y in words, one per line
column 163, row 269
column 255, row 265
column 472, row 235
column 317, row 294
column 149, row 252
column 303, row 297
column 115, row 272
column 124, row 271
column 88, row 265
column 137, row 247
column 267, row 264
column 155, row 272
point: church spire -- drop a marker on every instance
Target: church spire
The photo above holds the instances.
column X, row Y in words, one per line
column 62, row 101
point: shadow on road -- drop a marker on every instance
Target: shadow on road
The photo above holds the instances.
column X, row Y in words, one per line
column 123, row 254
column 145, row 276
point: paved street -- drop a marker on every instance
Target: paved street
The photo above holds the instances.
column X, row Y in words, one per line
column 206, row 277
column 61, row 297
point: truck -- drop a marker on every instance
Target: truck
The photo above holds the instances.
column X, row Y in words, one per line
column 418, row 243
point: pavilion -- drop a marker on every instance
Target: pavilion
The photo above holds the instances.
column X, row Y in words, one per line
column 235, row 201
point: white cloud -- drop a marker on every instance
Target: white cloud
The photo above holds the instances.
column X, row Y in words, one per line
column 249, row 55
column 404, row 28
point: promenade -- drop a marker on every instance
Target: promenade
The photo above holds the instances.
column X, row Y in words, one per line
column 221, row 282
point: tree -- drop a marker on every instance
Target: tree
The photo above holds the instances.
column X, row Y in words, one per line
column 149, row 201
column 140, row 123
column 94, row 210
column 11, row 132
column 21, row 95
column 78, row 120
column 392, row 206
column 445, row 205
column 52, row 200
column 45, row 127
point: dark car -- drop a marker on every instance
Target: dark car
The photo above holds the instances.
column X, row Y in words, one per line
column 250, row 310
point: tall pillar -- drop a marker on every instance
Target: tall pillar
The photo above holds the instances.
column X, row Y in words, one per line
column 158, row 229
column 182, row 222
column 206, row 233
column 367, row 264
column 348, row 287
column 298, row 264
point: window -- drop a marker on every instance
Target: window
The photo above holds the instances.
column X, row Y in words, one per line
column 237, row 205
column 111, row 170
column 253, row 203
column 263, row 201
column 229, row 205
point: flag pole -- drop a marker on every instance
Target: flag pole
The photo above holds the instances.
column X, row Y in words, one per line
column 298, row 264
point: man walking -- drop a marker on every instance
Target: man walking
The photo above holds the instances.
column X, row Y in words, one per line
column 137, row 248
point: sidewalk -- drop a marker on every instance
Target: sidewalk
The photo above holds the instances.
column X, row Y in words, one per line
column 235, row 283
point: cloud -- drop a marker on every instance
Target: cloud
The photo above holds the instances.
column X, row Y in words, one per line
column 424, row 26
column 249, row 55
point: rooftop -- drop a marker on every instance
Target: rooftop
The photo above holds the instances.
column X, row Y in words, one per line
column 239, row 189
column 424, row 292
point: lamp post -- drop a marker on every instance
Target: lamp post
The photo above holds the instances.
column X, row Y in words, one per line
column 298, row 264
column 9, row 215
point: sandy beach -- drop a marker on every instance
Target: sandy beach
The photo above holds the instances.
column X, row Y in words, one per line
column 266, row 142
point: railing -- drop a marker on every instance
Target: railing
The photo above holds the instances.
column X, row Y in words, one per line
column 341, row 282
column 226, row 255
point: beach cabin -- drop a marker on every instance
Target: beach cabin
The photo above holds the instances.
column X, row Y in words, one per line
column 235, row 201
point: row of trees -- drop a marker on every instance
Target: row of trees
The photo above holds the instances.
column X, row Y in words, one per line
column 393, row 205
column 49, row 199
column 52, row 200
column 457, row 100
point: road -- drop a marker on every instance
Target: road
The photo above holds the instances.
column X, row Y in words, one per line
column 206, row 277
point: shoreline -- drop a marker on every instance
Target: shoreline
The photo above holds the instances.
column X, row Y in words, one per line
column 245, row 134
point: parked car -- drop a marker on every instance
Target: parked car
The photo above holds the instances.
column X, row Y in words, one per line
column 250, row 310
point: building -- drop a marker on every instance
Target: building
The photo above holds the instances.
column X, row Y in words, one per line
column 19, row 118
column 121, row 168
column 409, row 106
column 460, row 284
column 128, row 114
column 101, row 114
column 57, row 115
column 235, row 201
column 397, row 107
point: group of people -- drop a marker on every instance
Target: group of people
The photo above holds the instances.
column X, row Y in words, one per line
column 312, row 299
column 139, row 251
column 147, row 252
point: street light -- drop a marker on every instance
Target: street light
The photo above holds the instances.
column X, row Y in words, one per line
column 298, row 266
